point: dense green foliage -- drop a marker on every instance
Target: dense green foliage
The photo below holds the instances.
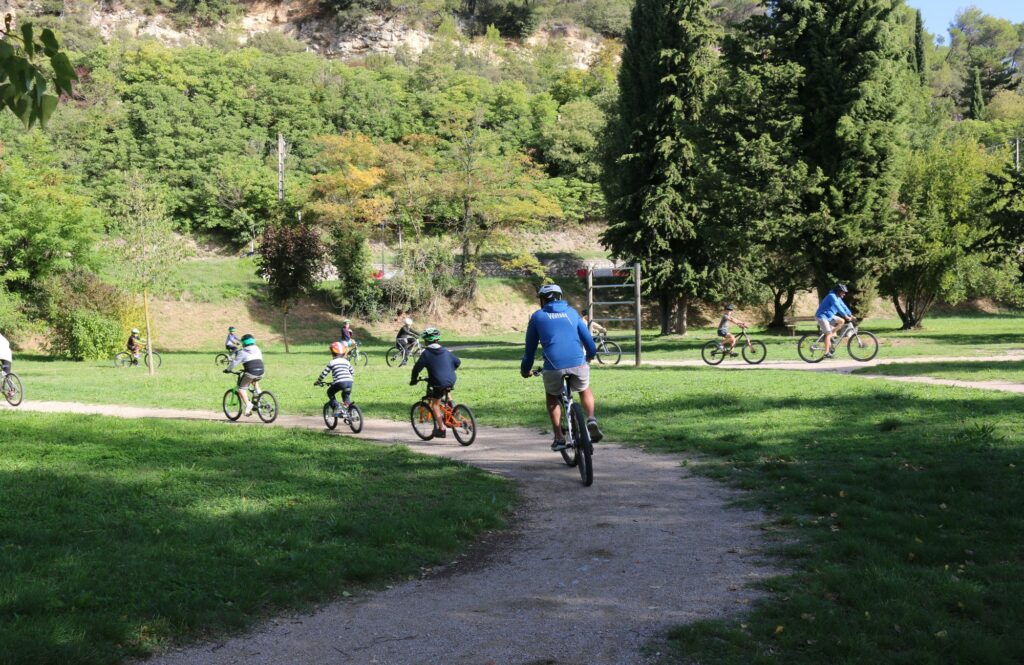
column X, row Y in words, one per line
column 23, row 81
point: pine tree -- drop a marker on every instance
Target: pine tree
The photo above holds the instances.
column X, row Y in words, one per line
column 853, row 102
column 920, row 58
column 977, row 110
column 653, row 160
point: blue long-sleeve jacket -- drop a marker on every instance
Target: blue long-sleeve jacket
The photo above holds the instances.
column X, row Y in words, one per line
column 563, row 334
column 830, row 306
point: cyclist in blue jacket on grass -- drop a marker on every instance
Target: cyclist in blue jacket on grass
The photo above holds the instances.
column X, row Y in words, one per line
column 568, row 346
column 833, row 310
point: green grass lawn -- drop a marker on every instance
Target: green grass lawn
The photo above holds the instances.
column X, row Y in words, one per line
column 1012, row 370
column 895, row 506
column 214, row 280
column 117, row 537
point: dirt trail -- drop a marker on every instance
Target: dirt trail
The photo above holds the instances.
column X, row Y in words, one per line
column 585, row 576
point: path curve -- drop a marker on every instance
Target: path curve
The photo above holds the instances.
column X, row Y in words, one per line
column 585, row 576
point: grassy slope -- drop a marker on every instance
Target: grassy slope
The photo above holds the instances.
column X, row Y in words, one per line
column 118, row 536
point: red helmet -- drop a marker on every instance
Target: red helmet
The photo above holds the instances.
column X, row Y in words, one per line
column 337, row 349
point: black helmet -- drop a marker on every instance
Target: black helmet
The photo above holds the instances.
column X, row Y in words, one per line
column 840, row 287
column 729, row 307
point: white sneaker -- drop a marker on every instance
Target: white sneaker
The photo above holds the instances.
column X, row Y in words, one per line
column 248, row 411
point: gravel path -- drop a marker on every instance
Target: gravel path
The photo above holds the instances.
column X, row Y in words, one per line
column 585, row 575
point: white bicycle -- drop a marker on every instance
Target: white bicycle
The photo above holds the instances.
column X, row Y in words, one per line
column 860, row 344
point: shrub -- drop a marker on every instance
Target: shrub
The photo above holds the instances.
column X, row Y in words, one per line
column 350, row 255
column 427, row 277
column 86, row 335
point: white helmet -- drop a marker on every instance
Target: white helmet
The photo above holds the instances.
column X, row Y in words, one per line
column 408, row 321
column 550, row 292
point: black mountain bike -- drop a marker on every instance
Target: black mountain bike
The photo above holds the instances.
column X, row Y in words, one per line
column 578, row 450
column 350, row 415
column 397, row 354
column 753, row 350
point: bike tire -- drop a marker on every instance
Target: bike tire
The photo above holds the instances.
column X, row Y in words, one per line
column 807, row 351
column 330, row 420
column 712, row 353
column 609, row 353
column 14, row 392
column 755, row 353
column 232, row 405
column 265, row 406
column 393, row 356
column 221, row 359
column 581, row 440
column 866, row 345
column 355, row 419
column 422, row 419
column 464, row 427
column 362, row 358
column 155, row 359
column 123, row 359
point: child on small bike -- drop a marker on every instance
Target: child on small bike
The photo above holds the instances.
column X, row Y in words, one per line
column 134, row 345
column 342, row 377
column 440, row 364
column 232, row 342
column 251, row 359
column 723, row 329
column 347, row 339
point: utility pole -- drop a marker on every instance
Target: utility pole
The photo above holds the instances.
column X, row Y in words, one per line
column 1016, row 159
column 280, row 167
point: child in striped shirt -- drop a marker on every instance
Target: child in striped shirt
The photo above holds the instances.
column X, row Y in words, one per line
column 343, row 376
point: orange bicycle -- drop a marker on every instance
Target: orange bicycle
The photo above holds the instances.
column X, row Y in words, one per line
column 457, row 417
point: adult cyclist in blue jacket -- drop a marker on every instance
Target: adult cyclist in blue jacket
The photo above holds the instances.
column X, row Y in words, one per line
column 833, row 310
column 568, row 347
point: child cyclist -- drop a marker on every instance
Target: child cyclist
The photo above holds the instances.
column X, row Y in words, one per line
column 232, row 342
column 723, row 329
column 347, row 339
column 251, row 359
column 342, row 377
column 440, row 364
column 134, row 345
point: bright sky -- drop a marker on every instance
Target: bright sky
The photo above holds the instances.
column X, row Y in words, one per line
column 938, row 14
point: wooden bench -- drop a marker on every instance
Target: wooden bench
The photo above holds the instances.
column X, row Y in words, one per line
column 791, row 322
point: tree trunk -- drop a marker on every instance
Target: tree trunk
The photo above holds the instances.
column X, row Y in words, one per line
column 781, row 307
column 285, row 317
column 149, row 334
column 665, row 312
column 682, row 315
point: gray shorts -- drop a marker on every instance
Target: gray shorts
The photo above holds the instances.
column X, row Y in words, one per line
column 579, row 379
column 824, row 325
column 246, row 379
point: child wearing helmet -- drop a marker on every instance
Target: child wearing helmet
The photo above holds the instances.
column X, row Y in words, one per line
column 347, row 340
column 440, row 364
column 232, row 342
column 250, row 357
column 343, row 376
column 723, row 328
column 405, row 338
column 134, row 345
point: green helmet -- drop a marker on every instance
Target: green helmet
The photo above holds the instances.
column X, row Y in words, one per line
column 248, row 339
column 431, row 335
column 346, row 322
column 231, row 329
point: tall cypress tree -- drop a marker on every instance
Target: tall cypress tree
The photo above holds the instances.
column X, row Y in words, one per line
column 853, row 102
column 977, row 109
column 920, row 58
column 653, row 160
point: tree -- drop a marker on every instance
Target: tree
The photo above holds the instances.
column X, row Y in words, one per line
column 146, row 243
column 920, row 55
column 293, row 260
column 23, row 84
column 852, row 100
column 653, row 162
column 977, row 108
column 942, row 222
column 989, row 45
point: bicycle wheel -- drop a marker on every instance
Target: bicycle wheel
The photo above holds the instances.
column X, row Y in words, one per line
column 13, row 391
column 609, row 353
column 221, row 359
column 232, row 405
column 464, row 425
column 355, row 419
column 330, row 419
column 361, row 358
column 713, row 353
column 809, row 349
column 394, row 356
column 582, row 440
column 155, row 359
column 266, row 406
column 863, row 346
column 422, row 419
column 755, row 353
column 123, row 359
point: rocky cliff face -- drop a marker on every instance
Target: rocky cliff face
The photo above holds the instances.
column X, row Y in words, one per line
column 301, row 19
